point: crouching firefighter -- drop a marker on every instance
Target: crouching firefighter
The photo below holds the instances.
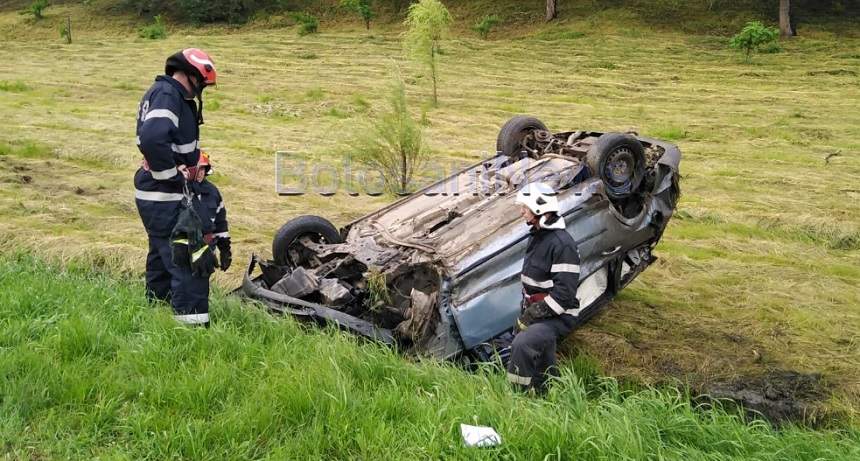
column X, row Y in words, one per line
column 550, row 278
column 179, row 261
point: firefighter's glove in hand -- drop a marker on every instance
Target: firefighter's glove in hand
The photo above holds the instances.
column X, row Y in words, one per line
column 203, row 262
column 225, row 253
column 534, row 312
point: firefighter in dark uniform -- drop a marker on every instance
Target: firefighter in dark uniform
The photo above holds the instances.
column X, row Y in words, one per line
column 550, row 278
column 214, row 215
column 168, row 129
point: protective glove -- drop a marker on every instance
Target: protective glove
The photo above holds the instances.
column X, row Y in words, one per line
column 179, row 252
column 534, row 312
column 203, row 262
column 225, row 253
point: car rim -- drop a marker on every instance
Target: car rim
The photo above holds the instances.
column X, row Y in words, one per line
column 619, row 167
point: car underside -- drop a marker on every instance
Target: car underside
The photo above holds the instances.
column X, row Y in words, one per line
column 437, row 272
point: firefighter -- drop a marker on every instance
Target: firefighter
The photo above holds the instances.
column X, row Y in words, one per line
column 216, row 230
column 550, row 278
column 168, row 128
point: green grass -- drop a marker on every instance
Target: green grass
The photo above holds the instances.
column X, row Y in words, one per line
column 767, row 250
column 25, row 149
column 92, row 371
column 14, row 87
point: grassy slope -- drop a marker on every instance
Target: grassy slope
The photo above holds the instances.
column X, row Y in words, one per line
column 759, row 271
column 91, row 371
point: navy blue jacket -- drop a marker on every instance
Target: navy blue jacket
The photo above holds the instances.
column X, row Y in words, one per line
column 214, row 213
column 551, row 267
column 167, row 136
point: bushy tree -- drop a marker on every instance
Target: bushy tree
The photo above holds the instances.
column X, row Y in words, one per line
column 36, row 9
column 154, row 31
column 752, row 37
column 393, row 144
column 308, row 23
column 364, row 8
column 484, row 25
column 428, row 23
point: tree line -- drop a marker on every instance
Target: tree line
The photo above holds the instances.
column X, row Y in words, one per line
column 204, row 11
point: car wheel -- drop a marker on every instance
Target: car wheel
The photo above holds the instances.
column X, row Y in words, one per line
column 618, row 159
column 512, row 133
column 285, row 247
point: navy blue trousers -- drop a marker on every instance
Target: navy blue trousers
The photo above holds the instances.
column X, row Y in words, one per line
column 533, row 358
column 165, row 281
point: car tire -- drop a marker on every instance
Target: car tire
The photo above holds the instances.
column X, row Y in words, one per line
column 316, row 227
column 511, row 134
column 618, row 159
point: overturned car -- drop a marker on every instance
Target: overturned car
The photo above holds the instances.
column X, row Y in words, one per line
column 438, row 272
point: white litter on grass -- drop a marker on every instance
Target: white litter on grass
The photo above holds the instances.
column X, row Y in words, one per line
column 480, row 436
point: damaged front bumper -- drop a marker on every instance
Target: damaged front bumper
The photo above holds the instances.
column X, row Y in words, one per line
column 252, row 287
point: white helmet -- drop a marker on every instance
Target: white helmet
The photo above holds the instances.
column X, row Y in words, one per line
column 539, row 198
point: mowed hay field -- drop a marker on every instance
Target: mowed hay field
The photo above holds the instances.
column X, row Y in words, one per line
column 759, row 271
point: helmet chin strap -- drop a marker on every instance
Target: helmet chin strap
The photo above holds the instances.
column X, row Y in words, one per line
column 557, row 222
column 542, row 222
column 198, row 93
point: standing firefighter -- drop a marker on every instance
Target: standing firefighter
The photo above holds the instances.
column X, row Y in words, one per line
column 550, row 279
column 168, row 127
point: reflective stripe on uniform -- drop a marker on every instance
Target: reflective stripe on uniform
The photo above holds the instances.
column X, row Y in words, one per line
column 522, row 380
column 574, row 312
column 157, row 196
column 530, row 281
column 162, row 113
column 192, row 319
column 222, row 235
column 565, row 268
column 181, row 241
column 163, row 174
column 220, row 207
column 554, row 305
column 197, row 254
column 137, row 140
column 184, row 148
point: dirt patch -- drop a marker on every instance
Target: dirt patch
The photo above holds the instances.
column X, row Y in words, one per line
column 736, row 367
column 779, row 395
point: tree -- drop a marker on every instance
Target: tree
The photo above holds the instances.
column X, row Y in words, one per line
column 427, row 23
column 393, row 145
column 364, row 8
column 36, row 9
column 752, row 37
column 551, row 9
column 785, row 28
column 486, row 24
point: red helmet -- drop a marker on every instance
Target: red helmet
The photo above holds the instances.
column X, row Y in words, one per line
column 192, row 60
column 204, row 162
